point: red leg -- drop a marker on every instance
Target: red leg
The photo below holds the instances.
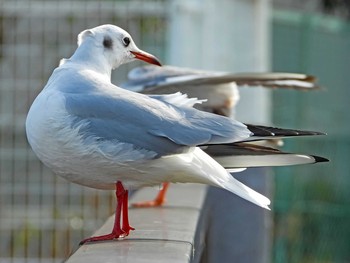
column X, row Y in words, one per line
column 117, row 232
column 126, row 227
column 158, row 201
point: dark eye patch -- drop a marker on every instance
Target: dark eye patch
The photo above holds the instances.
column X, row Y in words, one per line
column 107, row 42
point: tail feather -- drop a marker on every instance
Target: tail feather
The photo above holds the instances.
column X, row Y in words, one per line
column 211, row 172
column 238, row 188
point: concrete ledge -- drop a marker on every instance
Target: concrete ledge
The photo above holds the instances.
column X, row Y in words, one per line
column 165, row 234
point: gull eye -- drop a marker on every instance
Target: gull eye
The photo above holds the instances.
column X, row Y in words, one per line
column 126, row 41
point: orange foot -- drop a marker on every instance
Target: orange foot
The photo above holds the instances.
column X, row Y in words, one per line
column 158, row 201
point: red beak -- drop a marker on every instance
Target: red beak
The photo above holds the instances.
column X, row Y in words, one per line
column 146, row 57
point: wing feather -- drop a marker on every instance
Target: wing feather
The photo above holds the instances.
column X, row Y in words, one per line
column 158, row 79
column 119, row 115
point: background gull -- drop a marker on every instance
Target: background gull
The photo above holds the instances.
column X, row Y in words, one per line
column 219, row 89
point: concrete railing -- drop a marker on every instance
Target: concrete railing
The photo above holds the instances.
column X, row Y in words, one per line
column 172, row 233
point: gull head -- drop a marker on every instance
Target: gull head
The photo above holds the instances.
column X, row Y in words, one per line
column 111, row 46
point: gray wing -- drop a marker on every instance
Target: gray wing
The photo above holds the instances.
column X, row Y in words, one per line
column 158, row 79
column 151, row 72
column 147, row 77
column 148, row 123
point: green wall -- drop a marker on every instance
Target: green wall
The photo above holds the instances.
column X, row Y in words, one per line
column 312, row 203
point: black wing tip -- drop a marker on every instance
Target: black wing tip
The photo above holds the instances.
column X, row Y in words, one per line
column 320, row 159
column 259, row 130
column 266, row 131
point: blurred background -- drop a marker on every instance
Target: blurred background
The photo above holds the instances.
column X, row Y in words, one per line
column 43, row 217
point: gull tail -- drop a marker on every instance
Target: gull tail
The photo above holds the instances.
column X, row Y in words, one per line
column 211, row 172
column 238, row 188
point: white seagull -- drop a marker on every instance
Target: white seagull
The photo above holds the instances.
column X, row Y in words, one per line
column 93, row 133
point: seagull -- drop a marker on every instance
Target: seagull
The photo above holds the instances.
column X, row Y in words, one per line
column 220, row 92
column 219, row 89
column 93, row 133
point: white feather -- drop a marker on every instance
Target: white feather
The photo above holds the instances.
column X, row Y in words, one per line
column 199, row 167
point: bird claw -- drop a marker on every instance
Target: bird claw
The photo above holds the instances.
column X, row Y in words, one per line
column 126, row 231
column 112, row 236
column 108, row 237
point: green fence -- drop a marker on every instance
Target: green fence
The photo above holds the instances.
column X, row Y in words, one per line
column 312, row 203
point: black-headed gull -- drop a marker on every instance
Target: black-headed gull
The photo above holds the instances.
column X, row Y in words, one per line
column 93, row 133
column 219, row 89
